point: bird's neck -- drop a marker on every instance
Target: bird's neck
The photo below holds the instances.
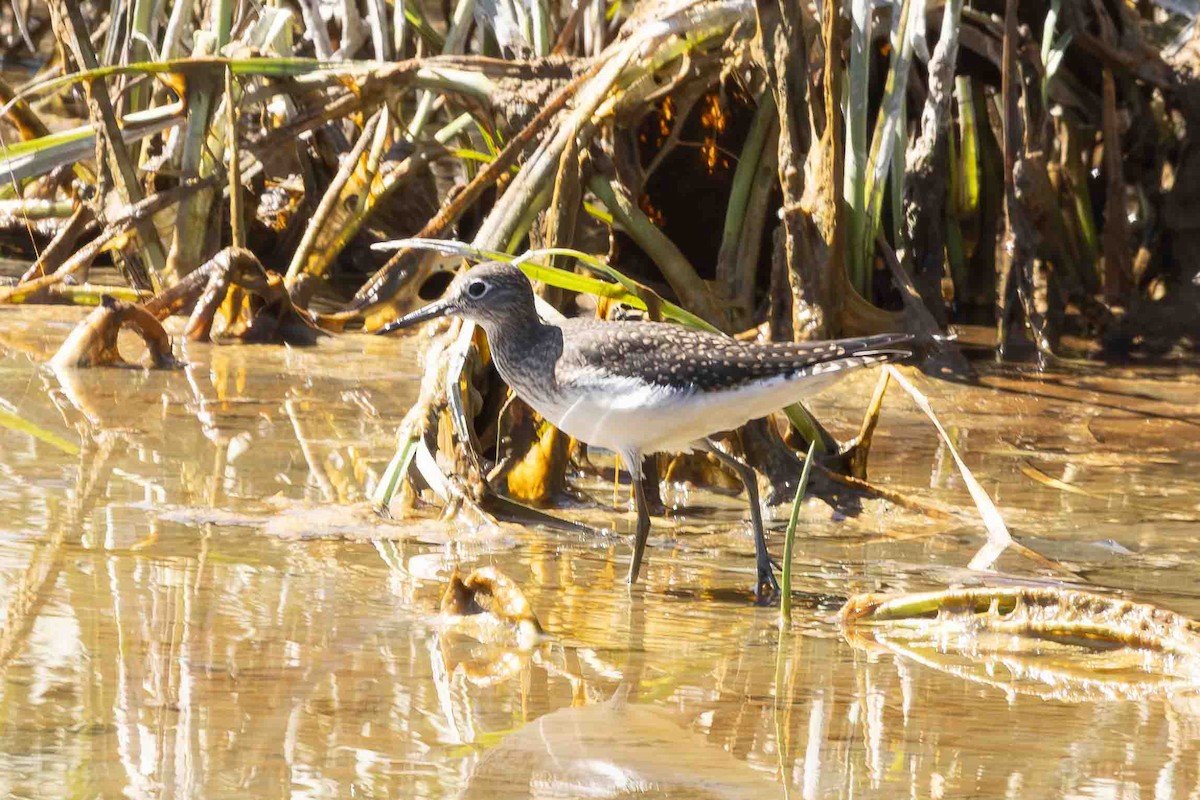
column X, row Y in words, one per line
column 513, row 334
column 524, row 347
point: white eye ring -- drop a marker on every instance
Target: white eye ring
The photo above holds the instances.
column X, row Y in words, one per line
column 476, row 289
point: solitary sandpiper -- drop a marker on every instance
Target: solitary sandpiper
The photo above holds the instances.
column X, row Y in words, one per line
column 638, row 388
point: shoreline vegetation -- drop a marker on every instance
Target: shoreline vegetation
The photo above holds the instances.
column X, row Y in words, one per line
column 281, row 172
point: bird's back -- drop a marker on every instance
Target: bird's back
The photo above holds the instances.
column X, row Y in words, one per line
column 649, row 387
column 685, row 358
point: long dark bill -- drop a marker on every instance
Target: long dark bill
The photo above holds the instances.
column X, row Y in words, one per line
column 431, row 311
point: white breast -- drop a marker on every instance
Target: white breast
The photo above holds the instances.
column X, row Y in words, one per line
column 626, row 414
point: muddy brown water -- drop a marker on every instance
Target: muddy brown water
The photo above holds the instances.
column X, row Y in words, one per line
column 197, row 602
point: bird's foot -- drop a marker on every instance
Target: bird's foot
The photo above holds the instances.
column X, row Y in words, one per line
column 766, row 588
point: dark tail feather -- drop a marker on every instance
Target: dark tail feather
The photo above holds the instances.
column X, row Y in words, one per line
column 885, row 346
column 936, row 355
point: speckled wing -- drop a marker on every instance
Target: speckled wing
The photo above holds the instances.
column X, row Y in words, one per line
column 685, row 359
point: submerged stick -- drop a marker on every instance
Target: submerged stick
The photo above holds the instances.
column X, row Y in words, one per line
column 866, row 433
column 1035, row 610
column 1053, row 643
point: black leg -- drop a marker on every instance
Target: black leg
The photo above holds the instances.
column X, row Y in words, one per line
column 766, row 588
column 643, row 515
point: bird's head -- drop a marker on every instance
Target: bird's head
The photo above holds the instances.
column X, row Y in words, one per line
column 486, row 294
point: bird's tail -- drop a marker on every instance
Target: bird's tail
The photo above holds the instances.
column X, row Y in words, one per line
column 934, row 354
column 883, row 347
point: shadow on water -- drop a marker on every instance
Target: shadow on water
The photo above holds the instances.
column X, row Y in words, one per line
column 195, row 604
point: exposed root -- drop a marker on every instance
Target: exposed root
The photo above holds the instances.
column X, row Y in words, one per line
column 258, row 306
column 493, row 596
column 93, row 343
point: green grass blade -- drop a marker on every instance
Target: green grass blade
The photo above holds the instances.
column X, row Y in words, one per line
column 967, row 202
column 396, row 469
column 884, row 141
column 808, row 427
column 15, row 422
column 211, row 65
column 856, row 114
column 623, row 290
column 789, row 541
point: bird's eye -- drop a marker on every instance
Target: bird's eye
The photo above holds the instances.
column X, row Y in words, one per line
column 477, row 289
